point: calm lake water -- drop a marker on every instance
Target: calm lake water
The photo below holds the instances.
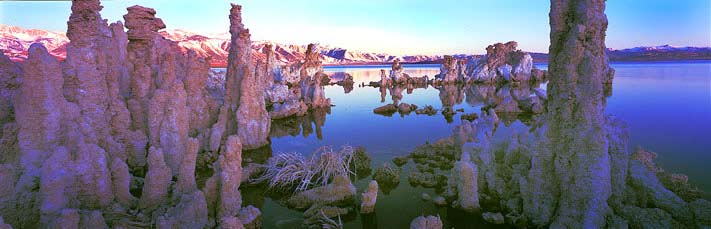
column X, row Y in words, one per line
column 667, row 107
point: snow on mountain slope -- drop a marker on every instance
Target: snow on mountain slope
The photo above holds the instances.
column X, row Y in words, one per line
column 14, row 42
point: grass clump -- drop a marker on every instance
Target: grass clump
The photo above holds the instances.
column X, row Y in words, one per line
column 361, row 161
column 388, row 177
column 295, row 172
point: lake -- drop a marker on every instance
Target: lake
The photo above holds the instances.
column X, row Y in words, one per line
column 667, row 106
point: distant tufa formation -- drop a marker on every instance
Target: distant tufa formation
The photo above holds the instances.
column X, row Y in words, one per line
column 110, row 136
column 502, row 63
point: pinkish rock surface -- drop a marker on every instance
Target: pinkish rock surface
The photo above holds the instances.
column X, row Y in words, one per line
column 80, row 129
column 448, row 71
column 502, row 62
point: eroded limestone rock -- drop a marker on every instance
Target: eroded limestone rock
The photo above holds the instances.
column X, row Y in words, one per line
column 465, row 178
column 396, row 73
column 369, row 197
column 449, row 72
column 502, row 62
column 157, row 183
column 339, row 191
column 426, row 222
column 577, row 66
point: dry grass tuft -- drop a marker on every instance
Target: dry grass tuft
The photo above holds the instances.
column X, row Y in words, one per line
column 291, row 170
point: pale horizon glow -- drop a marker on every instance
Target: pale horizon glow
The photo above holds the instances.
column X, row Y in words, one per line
column 398, row 27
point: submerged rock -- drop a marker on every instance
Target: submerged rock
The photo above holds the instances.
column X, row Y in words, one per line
column 405, row 108
column 360, row 162
column 341, row 190
column 427, row 110
column 387, row 175
column 426, row 222
column 491, row 217
column 464, row 176
column 469, row 117
column 425, row 196
column 439, row 201
column 318, row 213
column 425, row 179
column 400, row 160
column 387, row 109
column 369, row 197
column 289, row 108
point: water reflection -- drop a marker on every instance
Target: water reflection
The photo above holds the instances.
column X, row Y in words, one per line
column 305, row 125
column 510, row 101
column 512, row 168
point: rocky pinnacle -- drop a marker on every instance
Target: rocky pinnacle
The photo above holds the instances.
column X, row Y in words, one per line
column 577, row 131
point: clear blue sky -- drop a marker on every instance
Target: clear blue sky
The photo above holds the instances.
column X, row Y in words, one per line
column 399, row 26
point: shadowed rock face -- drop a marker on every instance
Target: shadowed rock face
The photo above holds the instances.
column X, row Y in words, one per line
column 9, row 82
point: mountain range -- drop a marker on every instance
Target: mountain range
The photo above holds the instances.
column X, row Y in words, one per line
column 14, row 42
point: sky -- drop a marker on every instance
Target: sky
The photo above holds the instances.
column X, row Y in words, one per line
column 400, row 27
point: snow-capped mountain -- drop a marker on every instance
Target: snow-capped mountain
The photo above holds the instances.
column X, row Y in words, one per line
column 14, row 42
column 660, row 53
column 660, row 48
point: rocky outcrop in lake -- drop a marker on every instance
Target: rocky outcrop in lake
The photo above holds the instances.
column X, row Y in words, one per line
column 449, row 72
column 426, row 222
column 396, row 74
column 369, row 198
column 502, row 62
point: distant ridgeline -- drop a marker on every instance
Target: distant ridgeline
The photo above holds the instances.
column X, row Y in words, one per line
column 656, row 53
column 14, row 41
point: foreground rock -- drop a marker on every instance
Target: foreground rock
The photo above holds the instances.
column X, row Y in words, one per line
column 125, row 113
column 494, row 218
column 426, row 222
column 388, row 177
column 387, row 109
column 579, row 44
column 341, row 190
column 245, row 87
column 464, row 177
column 369, row 197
